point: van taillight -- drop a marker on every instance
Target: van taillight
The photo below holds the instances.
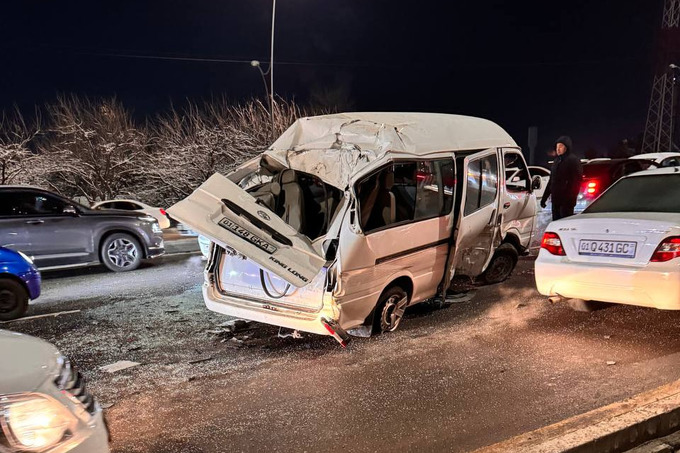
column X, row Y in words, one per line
column 590, row 188
column 667, row 250
column 552, row 243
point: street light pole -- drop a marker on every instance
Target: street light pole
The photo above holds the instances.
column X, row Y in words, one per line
column 271, row 70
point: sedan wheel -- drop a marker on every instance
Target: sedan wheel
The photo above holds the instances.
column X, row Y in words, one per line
column 121, row 252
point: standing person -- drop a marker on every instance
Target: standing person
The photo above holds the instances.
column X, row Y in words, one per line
column 565, row 180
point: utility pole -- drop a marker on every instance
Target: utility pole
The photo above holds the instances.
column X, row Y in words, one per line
column 661, row 122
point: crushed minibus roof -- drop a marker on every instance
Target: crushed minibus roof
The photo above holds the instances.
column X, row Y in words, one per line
column 334, row 147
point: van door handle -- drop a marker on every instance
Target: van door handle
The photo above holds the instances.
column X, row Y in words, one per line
column 506, row 205
column 34, row 222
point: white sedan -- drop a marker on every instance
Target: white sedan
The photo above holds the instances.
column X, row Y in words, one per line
column 667, row 159
column 133, row 205
column 624, row 248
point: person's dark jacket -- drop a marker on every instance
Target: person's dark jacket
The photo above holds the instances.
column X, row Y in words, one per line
column 565, row 178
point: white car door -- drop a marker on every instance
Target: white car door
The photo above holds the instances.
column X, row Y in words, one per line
column 476, row 233
column 231, row 217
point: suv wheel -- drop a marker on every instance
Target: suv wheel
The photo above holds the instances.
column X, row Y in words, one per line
column 13, row 299
column 121, row 252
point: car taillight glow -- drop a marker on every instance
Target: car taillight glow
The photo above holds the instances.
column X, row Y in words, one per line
column 590, row 188
column 552, row 243
column 667, row 250
column 163, row 211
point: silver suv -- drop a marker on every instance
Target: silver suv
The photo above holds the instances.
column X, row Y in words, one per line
column 57, row 232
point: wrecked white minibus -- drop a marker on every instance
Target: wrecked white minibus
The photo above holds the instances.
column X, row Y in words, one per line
column 347, row 219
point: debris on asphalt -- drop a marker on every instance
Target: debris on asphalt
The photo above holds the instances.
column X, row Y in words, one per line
column 520, row 305
column 611, row 362
column 46, row 315
column 286, row 333
column 607, row 337
column 172, row 311
column 106, row 405
column 118, row 366
column 236, row 325
column 202, row 359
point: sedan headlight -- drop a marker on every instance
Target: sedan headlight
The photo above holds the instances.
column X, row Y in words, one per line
column 35, row 422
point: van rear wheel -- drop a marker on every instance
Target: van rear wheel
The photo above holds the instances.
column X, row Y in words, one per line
column 390, row 310
column 502, row 264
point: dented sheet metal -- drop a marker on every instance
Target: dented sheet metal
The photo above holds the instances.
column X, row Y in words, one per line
column 336, row 147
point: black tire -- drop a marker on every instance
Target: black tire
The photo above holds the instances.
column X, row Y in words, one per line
column 502, row 264
column 121, row 252
column 13, row 299
column 587, row 306
column 390, row 310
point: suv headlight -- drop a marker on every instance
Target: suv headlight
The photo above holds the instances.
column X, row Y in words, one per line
column 35, row 422
column 155, row 227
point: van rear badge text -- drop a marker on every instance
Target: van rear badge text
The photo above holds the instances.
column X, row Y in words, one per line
column 263, row 215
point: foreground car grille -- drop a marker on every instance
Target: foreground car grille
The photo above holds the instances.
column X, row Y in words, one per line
column 73, row 382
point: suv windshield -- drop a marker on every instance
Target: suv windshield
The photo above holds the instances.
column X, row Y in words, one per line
column 654, row 193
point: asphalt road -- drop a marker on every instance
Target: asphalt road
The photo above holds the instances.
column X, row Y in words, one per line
column 503, row 363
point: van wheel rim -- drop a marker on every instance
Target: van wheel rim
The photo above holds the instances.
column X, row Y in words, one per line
column 8, row 301
column 122, row 253
column 392, row 312
column 502, row 267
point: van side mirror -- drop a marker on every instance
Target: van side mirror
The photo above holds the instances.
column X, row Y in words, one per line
column 536, row 183
column 330, row 249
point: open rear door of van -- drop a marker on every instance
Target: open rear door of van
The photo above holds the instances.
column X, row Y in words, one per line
column 477, row 224
column 229, row 216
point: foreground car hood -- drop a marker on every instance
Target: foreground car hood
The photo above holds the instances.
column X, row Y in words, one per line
column 25, row 362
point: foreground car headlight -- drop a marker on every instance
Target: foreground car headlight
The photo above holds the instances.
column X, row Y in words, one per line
column 35, row 422
column 156, row 228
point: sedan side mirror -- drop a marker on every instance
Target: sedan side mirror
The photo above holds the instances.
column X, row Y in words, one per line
column 536, row 183
column 70, row 210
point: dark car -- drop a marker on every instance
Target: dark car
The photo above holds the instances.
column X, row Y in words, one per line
column 599, row 174
column 19, row 282
column 57, row 232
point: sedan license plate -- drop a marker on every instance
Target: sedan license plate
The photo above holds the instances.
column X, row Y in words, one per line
column 619, row 249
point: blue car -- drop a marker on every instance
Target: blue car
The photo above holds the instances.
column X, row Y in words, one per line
column 19, row 282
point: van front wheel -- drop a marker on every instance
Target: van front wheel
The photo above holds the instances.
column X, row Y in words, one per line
column 502, row 264
column 390, row 309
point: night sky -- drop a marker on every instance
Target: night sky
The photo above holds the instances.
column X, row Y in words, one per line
column 578, row 67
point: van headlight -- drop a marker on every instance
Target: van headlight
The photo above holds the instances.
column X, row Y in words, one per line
column 35, row 422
